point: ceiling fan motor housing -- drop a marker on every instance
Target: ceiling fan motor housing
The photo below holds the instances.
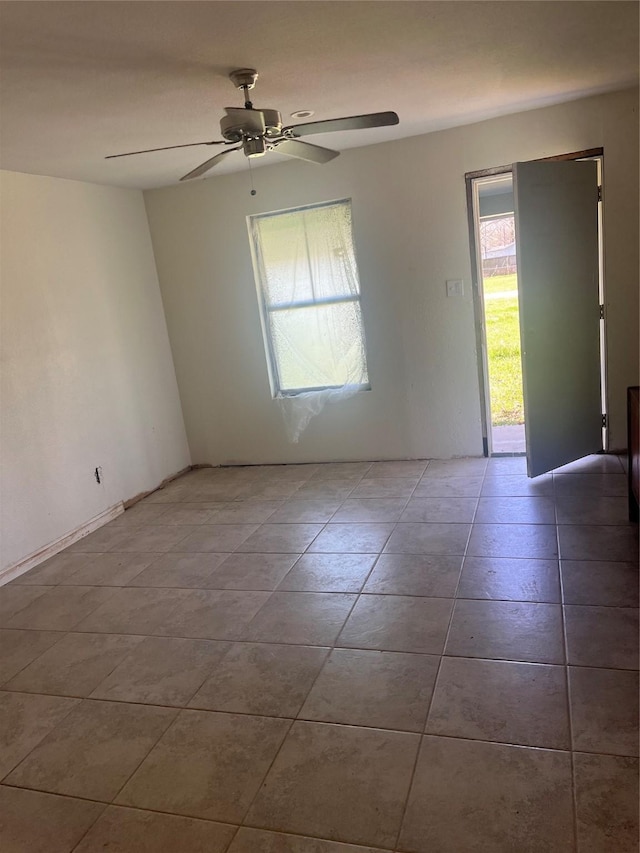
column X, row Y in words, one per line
column 241, row 123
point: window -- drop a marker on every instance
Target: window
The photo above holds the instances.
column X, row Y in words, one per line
column 309, row 292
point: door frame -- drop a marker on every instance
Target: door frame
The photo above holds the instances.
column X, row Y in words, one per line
column 478, row 294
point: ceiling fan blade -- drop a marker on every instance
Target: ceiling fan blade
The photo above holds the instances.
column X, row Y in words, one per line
column 208, row 164
column 349, row 123
column 167, row 148
column 305, row 151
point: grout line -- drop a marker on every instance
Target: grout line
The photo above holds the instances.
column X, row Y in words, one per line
column 110, row 804
column 435, row 682
column 565, row 642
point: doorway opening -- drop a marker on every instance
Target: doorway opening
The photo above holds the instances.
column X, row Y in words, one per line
column 498, row 286
column 537, row 259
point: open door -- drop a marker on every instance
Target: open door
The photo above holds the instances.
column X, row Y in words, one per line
column 556, row 212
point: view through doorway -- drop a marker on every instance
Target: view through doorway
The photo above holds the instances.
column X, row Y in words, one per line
column 496, row 238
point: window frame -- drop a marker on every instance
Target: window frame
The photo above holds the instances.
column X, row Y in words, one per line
column 277, row 391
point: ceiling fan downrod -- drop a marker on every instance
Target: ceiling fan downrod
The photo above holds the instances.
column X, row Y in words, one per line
column 245, row 79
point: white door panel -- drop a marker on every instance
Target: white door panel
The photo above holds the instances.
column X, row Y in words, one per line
column 556, row 208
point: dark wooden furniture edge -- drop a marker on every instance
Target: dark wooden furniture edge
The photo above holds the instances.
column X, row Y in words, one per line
column 633, row 445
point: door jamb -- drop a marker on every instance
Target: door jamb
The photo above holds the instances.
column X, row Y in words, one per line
column 478, row 307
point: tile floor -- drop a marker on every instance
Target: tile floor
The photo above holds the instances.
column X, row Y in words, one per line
column 426, row 657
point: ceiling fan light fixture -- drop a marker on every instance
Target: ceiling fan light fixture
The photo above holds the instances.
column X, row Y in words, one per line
column 254, row 147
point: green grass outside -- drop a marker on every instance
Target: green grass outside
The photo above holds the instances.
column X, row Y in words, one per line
column 503, row 349
column 499, row 283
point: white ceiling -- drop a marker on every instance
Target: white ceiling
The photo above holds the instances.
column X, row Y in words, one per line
column 81, row 80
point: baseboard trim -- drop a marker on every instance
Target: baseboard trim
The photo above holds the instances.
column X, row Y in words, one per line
column 134, row 500
column 19, row 568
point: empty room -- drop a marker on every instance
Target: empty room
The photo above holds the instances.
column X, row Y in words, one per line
column 319, row 426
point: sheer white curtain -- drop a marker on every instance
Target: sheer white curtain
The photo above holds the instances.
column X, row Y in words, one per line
column 310, row 290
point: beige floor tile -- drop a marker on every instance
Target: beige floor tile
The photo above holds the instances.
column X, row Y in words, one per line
column 341, row 471
column 143, row 513
column 104, row 539
column 122, row 830
column 370, row 509
column 14, row 598
column 428, row 538
column 306, row 618
column 113, row 569
column 186, row 514
column 327, row 489
column 470, row 466
column 477, row 797
column 592, row 509
column 59, row 823
column 606, row 803
column 446, row 510
column 281, row 538
column 162, row 671
column 601, row 542
column 210, row 614
column 516, row 510
column 287, row 473
column 207, row 765
column 604, row 710
column 508, row 630
column 75, row 665
column 397, row 623
column 241, row 602
column 251, row 571
column 54, row 570
column 179, row 571
column 94, row 750
column 415, row 574
column 604, row 484
column 386, row 487
column 266, row 491
column 157, row 538
column 510, row 579
column 502, row 466
column 602, row 636
column 513, row 540
column 409, row 468
column 354, row 538
column 19, row 648
column 246, row 512
column 213, row 492
column 449, row 487
column 517, row 703
column 170, row 494
column 221, row 538
column 261, row 841
column 61, row 609
column 263, row 678
column 25, row 720
column 337, row 782
column 296, row 511
column 387, row 690
column 329, row 573
column 133, row 611
column 600, row 583
column 516, row 485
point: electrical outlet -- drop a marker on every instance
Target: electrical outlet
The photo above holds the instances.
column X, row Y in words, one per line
column 455, row 287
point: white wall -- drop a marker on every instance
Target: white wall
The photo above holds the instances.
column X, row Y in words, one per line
column 410, row 223
column 87, row 373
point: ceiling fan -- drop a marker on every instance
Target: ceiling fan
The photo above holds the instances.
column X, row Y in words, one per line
column 255, row 132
